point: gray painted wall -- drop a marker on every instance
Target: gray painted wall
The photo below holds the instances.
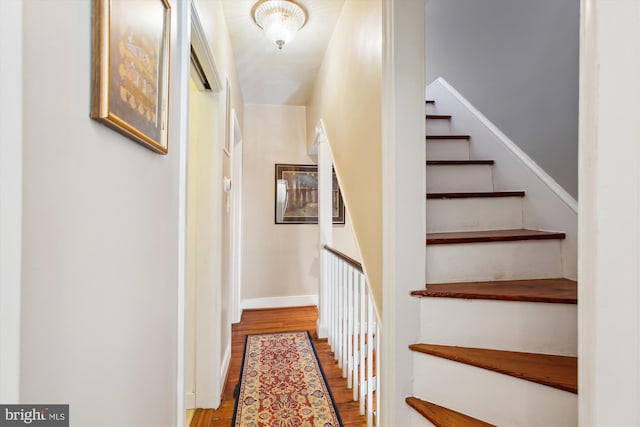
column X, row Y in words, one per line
column 517, row 62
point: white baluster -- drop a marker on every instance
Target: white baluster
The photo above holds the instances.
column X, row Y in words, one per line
column 377, row 382
column 330, row 301
column 332, row 309
column 350, row 272
column 339, row 317
column 370, row 322
column 361, row 333
column 356, row 334
column 353, row 332
column 345, row 315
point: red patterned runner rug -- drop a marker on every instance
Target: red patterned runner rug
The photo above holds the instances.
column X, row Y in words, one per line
column 282, row 384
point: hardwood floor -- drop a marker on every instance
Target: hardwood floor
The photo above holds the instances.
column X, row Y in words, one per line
column 280, row 320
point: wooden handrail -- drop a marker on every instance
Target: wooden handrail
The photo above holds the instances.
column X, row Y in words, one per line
column 345, row 258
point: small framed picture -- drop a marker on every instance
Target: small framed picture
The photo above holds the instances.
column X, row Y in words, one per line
column 297, row 195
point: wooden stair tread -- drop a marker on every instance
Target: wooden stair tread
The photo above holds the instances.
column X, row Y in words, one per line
column 443, row 417
column 438, row 117
column 448, row 136
column 471, row 194
column 558, row 291
column 490, row 236
column 458, row 162
column 559, row 372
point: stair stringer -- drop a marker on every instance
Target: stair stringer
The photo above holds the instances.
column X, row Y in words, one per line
column 547, row 205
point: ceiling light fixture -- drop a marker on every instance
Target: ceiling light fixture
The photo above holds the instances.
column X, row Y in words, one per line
column 280, row 19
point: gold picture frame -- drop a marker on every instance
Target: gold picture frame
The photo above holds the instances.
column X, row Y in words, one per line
column 130, row 69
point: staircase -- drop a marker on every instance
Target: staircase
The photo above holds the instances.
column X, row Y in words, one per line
column 498, row 322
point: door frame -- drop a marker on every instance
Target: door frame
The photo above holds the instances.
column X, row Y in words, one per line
column 236, row 197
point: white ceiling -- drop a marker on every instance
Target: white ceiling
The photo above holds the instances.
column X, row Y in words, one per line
column 271, row 76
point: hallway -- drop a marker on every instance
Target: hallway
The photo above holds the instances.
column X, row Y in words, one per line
column 280, row 320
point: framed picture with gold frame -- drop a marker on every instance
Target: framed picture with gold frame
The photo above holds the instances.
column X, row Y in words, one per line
column 130, row 69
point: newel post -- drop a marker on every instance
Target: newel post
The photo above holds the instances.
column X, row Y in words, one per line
column 325, row 171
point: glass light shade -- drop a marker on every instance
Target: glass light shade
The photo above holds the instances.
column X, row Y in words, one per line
column 280, row 20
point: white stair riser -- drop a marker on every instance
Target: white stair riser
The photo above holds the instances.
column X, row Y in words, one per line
column 418, row 420
column 492, row 397
column 528, row 259
column 447, row 150
column 459, row 178
column 474, row 214
column 438, row 126
column 430, row 109
column 500, row 325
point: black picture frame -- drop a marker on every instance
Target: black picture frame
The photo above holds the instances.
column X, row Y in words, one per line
column 296, row 195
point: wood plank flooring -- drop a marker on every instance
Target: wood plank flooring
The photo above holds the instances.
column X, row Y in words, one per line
column 280, row 320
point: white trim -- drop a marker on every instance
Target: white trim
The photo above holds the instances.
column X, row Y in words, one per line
column 236, row 191
column 183, row 52
column 226, row 361
column 609, row 185
column 10, row 199
column 325, row 222
column 587, row 251
column 388, row 388
column 203, row 50
column 276, row 302
column 189, row 400
column 521, row 155
column 209, row 292
column 403, row 205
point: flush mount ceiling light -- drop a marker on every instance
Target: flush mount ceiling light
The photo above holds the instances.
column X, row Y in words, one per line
column 280, row 19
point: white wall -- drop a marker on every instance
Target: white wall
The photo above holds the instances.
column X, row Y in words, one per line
column 403, row 192
column 99, row 312
column 10, row 198
column 609, row 297
column 279, row 261
column 347, row 98
column 517, row 62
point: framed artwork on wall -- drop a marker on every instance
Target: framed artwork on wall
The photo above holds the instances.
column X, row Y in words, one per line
column 130, row 69
column 296, row 198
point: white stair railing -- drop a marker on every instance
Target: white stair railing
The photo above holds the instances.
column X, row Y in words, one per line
column 352, row 328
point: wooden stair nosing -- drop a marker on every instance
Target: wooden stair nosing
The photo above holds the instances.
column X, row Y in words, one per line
column 451, row 136
column 437, row 117
column 555, row 291
column 560, row 372
column 458, row 162
column 456, row 237
column 444, row 417
column 475, row 194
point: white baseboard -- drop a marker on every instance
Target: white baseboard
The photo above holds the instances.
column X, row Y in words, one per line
column 189, row 400
column 226, row 360
column 275, row 302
